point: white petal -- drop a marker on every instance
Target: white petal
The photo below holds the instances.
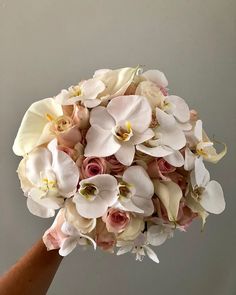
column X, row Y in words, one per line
column 151, row 254
column 124, row 250
column 180, row 108
column 132, row 108
column 138, row 138
column 127, row 206
column 69, row 229
column 67, row 172
column 156, row 236
column 138, row 177
column 213, row 198
column 100, row 143
column 92, row 87
column 90, row 209
column 189, row 160
column 158, row 151
column 39, row 210
column 104, row 182
column 33, row 123
column 175, row 159
column 145, row 204
column 198, row 130
column 37, row 161
column 92, row 103
column 157, row 77
column 200, row 176
column 125, row 154
column 68, row 245
column 100, row 116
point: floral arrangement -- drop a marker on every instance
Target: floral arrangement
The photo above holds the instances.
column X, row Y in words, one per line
column 121, row 159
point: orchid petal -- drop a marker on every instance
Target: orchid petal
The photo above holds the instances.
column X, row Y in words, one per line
column 156, row 236
column 39, row 210
column 100, row 116
column 212, row 199
column 138, row 138
column 68, row 245
column 158, row 151
column 157, row 77
column 189, row 160
column 125, row 154
column 175, row 159
column 100, row 143
column 180, row 109
column 132, row 108
column 151, row 254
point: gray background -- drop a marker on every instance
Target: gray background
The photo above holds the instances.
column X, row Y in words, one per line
column 48, row 45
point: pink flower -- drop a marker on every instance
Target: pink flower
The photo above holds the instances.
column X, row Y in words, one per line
column 116, row 220
column 105, row 240
column 92, row 166
column 80, row 116
column 53, row 237
column 185, row 215
column 158, row 167
column 69, row 151
column 178, row 179
column 114, row 165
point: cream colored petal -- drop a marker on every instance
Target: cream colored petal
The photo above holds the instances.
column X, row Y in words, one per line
column 134, row 228
column 34, row 128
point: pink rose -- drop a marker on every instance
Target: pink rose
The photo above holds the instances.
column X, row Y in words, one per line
column 53, row 237
column 159, row 167
column 80, row 116
column 92, row 166
column 185, row 215
column 164, row 91
column 114, row 165
column 178, row 179
column 116, row 220
column 105, row 240
column 193, row 115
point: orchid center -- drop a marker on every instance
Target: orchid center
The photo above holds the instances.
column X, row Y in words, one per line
column 124, row 191
column 89, row 191
column 201, row 148
column 48, row 185
column 123, row 133
column 166, row 106
column 75, row 91
column 197, row 193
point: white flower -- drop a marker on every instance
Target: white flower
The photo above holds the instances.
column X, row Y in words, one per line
column 167, row 141
column 136, row 191
column 156, row 77
column 158, row 234
column 203, row 147
column 170, row 195
column 95, row 195
column 208, row 194
column 118, row 128
column 135, row 227
column 116, row 81
column 36, row 125
column 74, row 238
column 139, row 247
column 48, row 176
column 85, row 92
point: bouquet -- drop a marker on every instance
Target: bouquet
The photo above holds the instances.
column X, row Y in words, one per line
column 122, row 161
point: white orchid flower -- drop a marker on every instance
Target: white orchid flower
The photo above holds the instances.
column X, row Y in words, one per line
column 85, row 92
column 178, row 108
column 74, row 238
column 118, row 128
column 167, row 141
column 135, row 191
column 116, row 81
column 156, row 77
column 139, row 247
column 208, row 194
column 203, row 147
column 95, row 195
column 170, row 195
column 48, row 176
column 35, row 127
column 158, row 234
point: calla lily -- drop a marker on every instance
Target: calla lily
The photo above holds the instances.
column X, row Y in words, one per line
column 118, row 128
column 95, row 195
column 48, row 176
column 85, row 92
column 116, row 81
column 208, row 194
column 201, row 146
column 167, row 141
column 170, row 195
column 36, row 126
column 136, row 191
column 74, row 238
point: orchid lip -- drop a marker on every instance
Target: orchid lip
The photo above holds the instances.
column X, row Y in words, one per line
column 124, row 191
column 89, row 191
column 123, row 133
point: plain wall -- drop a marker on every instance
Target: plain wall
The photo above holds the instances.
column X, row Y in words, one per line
column 48, row 45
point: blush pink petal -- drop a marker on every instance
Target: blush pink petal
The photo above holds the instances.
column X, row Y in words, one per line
column 69, row 138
